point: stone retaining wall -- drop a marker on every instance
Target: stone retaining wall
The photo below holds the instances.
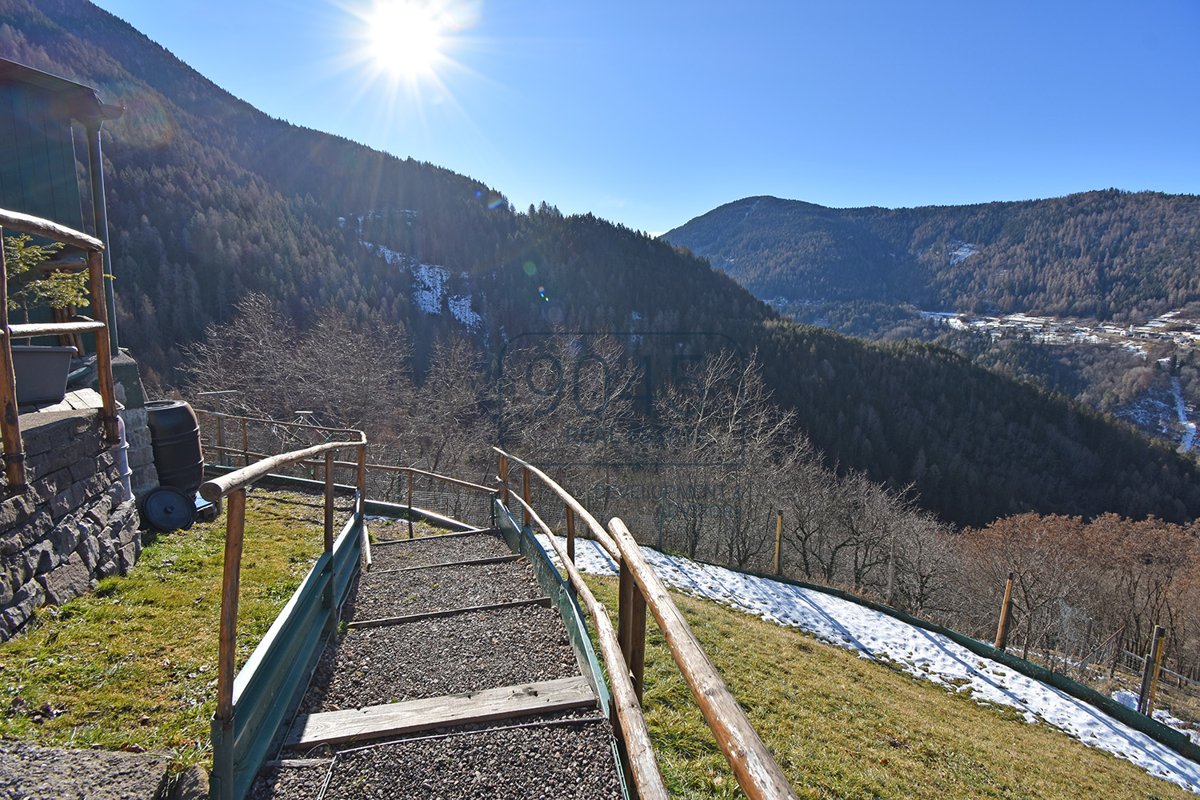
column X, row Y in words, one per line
column 71, row 526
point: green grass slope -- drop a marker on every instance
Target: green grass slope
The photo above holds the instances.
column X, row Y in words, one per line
column 844, row 727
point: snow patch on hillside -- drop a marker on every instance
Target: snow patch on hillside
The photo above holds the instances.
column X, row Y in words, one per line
column 962, row 251
column 460, row 308
column 394, row 258
column 1181, row 411
column 429, row 287
column 922, row 653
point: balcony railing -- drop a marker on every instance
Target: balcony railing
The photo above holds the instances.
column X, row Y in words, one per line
column 10, row 423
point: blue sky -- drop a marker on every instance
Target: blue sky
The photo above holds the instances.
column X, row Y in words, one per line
column 651, row 113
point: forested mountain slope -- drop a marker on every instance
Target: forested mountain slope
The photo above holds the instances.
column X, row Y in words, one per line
column 209, row 200
column 1103, row 254
column 974, row 444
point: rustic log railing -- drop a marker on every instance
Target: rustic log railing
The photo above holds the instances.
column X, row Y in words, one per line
column 756, row 770
column 244, row 452
column 237, row 747
column 10, row 424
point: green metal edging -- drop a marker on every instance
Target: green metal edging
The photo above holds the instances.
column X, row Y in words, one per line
column 521, row 540
column 1163, row 734
column 268, row 689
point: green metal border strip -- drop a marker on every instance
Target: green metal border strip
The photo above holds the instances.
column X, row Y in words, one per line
column 1163, row 734
column 268, row 688
column 521, row 540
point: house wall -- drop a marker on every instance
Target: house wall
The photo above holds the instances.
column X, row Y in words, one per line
column 71, row 526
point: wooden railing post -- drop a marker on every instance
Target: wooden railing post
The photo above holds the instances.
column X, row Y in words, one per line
column 1150, row 671
column 245, row 444
column 624, row 607
column 235, row 527
column 525, row 495
column 756, row 770
column 778, row 541
column 503, row 470
column 631, row 627
column 328, row 501
column 570, row 534
column 104, row 376
column 1005, row 614
column 331, row 621
column 10, row 423
column 637, row 641
column 410, row 511
column 220, row 446
column 361, row 479
column 360, row 507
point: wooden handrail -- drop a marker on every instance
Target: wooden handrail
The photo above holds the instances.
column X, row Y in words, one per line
column 755, row 768
column 217, row 488
column 639, row 752
column 24, row 330
column 233, row 487
column 382, row 467
column 51, row 230
column 598, row 532
column 275, row 422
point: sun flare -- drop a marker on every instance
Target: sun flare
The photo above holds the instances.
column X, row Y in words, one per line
column 406, row 37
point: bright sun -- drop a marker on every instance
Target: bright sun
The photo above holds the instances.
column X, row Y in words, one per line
column 405, row 37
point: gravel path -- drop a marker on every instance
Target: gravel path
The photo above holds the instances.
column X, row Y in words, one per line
column 393, row 594
column 564, row 755
column 439, row 550
column 445, row 655
column 556, row 762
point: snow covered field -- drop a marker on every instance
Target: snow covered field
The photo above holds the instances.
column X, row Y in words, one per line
column 920, row 652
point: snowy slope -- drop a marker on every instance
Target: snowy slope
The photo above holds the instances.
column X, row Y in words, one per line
column 922, row 653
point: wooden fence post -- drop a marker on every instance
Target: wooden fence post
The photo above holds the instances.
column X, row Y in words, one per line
column 525, row 495
column 328, row 501
column 10, row 423
column 245, row 444
column 331, row 622
column 1150, row 672
column 235, row 528
column 631, row 626
column 410, row 511
column 637, row 640
column 361, row 506
column 504, row 480
column 778, row 541
column 1005, row 614
column 104, row 345
column 361, row 479
column 570, row 535
column 220, row 448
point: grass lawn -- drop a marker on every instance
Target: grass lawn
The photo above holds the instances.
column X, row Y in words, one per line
column 133, row 665
column 844, row 727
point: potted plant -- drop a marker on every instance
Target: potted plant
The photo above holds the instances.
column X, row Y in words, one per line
column 41, row 372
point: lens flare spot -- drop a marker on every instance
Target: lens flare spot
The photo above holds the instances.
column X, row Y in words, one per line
column 530, row 268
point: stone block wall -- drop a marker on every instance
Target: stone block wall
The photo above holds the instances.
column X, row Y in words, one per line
column 71, row 526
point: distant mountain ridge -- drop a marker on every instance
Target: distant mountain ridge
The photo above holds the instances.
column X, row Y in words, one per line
column 1102, row 254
